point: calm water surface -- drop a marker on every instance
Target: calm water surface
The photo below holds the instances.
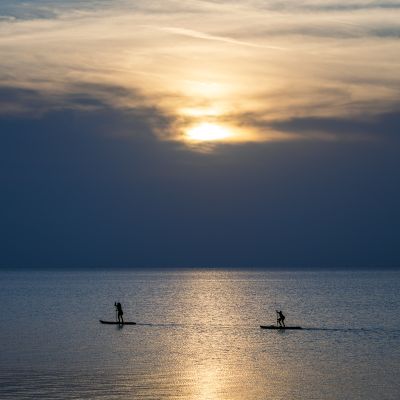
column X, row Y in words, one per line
column 198, row 335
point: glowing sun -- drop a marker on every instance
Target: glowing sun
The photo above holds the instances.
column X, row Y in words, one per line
column 207, row 132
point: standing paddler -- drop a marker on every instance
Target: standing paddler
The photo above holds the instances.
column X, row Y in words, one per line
column 120, row 313
column 280, row 319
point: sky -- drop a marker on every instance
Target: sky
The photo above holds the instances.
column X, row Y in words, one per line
column 233, row 134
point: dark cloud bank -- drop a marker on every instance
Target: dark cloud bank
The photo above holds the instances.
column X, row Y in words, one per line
column 98, row 189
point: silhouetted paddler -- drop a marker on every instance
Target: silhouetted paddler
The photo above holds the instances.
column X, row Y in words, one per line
column 281, row 319
column 119, row 312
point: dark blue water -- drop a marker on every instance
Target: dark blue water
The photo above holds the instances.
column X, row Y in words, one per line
column 198, row 335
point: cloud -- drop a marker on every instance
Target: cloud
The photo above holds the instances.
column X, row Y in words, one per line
column 87, row 103
column 136, row 110
column 326, row 29
column 325, row 6
column 48, row 9
column 202, row 35
column 376, row 128
column 222, row 56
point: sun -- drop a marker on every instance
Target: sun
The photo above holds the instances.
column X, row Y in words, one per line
column 207, row 132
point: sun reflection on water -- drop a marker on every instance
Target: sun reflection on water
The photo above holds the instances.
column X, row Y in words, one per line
column 216, row 368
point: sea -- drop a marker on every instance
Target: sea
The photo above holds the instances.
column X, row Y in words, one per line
column 198, row 335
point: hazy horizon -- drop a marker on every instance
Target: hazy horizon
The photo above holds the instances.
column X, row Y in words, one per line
column 167, row 269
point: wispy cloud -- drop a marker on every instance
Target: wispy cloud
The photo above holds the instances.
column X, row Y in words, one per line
column 206, row 36
column 276, row 60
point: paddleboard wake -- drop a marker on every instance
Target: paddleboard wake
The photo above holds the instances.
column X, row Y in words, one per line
column 279, row 327
column 117, row 323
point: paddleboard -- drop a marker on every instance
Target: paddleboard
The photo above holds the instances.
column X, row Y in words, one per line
column 117, row 323
column 279, row 327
